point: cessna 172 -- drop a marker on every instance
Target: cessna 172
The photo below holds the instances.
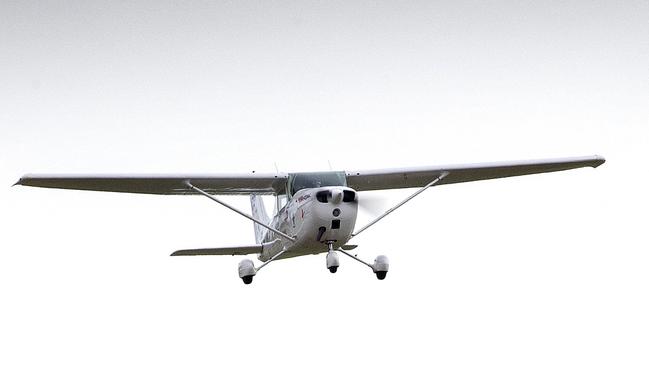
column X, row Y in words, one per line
column 315, row 211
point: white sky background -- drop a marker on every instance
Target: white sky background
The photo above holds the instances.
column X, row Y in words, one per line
column 542, row 269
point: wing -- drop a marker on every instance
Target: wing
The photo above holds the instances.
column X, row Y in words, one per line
column 238, row 250
column 420, row 176
column 163, row 184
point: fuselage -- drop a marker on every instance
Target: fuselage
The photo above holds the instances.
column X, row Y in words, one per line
column 315, row 217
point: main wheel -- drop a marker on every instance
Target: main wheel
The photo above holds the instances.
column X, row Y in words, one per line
column 381, row 274
column 247, row 279
column 333, row 269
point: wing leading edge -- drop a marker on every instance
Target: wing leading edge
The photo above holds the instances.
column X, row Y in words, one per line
column 244, row 184
column 241, row 184
column 414, row 177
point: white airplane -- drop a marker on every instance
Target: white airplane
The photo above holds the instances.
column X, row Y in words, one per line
column 315, row 211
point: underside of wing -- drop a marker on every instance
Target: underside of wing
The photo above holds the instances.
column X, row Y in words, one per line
column 235, row 250
column 420, row 176
column 163, row 184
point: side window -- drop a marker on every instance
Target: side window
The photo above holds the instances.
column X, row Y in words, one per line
column 280, row 202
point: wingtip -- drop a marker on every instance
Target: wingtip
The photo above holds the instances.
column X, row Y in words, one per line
column 24, row 180
column 599, row 160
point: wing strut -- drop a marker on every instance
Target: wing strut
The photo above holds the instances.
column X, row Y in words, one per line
column 437, row 180
column 355, row 258
column 189, row 185
column 280, row 253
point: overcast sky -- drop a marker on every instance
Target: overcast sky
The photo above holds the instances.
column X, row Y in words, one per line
column 540, row 269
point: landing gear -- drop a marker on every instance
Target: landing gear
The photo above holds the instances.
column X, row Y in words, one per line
column 380, row 267
column 247, row 269
column 332, row 260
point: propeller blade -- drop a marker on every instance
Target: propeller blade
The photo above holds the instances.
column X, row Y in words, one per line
column 373, row 204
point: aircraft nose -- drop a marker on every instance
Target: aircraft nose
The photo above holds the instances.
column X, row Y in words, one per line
column 336, row 196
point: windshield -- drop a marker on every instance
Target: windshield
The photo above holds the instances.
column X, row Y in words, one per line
column 301, row 181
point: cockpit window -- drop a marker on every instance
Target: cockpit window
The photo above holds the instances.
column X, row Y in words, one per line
column 301, row 181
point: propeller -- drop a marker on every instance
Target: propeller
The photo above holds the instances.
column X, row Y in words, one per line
column 372, row 203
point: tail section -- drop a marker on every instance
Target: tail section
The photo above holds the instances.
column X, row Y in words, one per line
column 259, row 213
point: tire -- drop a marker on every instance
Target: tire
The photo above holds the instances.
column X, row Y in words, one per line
column 247, row 279
column 333, row 269
column 381, row 274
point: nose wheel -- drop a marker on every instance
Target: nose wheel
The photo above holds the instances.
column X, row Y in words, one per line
column 332, row 259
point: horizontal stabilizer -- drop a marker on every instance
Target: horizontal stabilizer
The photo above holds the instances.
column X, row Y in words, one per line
column 237, row 250
column 348, row 247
